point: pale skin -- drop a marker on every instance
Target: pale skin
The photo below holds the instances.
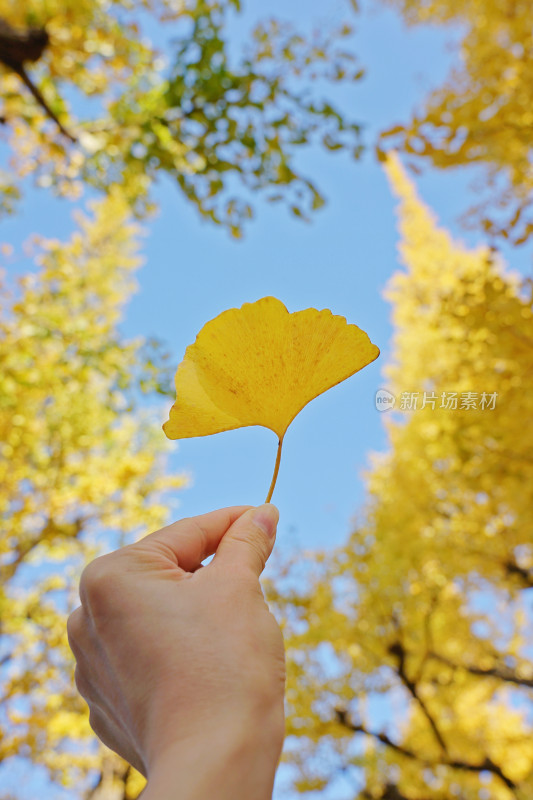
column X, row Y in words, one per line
column 183, row 666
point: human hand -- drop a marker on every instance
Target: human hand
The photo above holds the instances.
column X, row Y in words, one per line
column 172, row 657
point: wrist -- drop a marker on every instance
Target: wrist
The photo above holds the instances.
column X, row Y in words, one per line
column 233, row 761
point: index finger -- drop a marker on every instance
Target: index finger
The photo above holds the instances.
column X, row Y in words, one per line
column 193, row 539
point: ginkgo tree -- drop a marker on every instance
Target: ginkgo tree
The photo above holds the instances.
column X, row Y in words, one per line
column 409, row 656
column 483, row 113
column 82, row 469
column 87, row 98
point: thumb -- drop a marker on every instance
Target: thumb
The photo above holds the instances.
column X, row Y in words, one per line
column 250, row 540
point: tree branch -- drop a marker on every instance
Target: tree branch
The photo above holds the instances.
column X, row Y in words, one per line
column 17, row 48
column 390, row 792
column 397, row 649
column 5, row 659
column 50, row 530
column 485, row 766
column 501, row 672
column 525, row 575
column 342, row 719
column 35, row 91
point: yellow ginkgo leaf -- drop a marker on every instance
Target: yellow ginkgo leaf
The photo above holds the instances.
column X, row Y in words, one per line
column 260, row 365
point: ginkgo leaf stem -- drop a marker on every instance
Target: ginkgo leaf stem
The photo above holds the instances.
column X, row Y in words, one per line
column 275, row 475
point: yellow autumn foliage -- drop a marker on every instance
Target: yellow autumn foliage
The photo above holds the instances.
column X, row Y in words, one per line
column 409, row 667
column 483, row 113
column 77, row 474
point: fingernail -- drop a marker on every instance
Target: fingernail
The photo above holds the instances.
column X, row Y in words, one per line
column 266, row 517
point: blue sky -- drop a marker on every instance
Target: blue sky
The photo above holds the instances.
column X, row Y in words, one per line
column 341, row 261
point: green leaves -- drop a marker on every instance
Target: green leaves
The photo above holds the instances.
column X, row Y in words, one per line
column 224, row 124
column 243, row 121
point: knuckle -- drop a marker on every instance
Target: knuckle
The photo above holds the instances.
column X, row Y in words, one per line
column 95, row 721
column 75, row 625
column 96, row 580
column 81, row 682
column 91, row 573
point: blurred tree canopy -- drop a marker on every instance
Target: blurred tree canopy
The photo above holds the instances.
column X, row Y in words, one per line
column 89, row 103
column 409, row 672
column 483, row 114
column 81, row 468
column 423, row 620
column 87, row 98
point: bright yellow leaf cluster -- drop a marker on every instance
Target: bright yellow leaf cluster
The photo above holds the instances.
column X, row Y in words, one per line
column 483, row 113
column 409, row 652
column 74, row 471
